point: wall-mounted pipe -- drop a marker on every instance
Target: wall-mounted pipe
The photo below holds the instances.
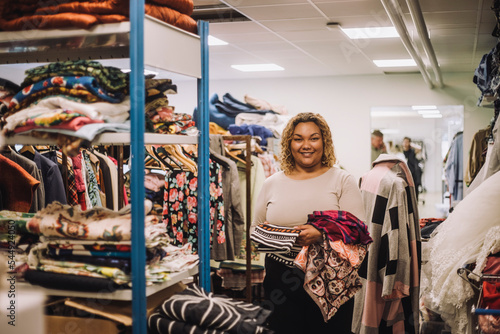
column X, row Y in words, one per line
column 394, row 12
column 419, row 22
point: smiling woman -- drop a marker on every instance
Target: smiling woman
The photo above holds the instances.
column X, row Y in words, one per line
column 308, row 184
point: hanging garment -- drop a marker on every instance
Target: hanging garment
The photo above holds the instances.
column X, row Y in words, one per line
column 450, row 248
column 52, row 178
column 454, row 169
column 180, row 208
column 38, row 201
column 18, row 184
column 477, row 154
column 389, row 299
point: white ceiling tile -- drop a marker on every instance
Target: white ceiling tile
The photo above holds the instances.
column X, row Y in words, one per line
column 296, row 24
column 235, row 28
column 294, row 33
column 338, row 9
column 280, row 12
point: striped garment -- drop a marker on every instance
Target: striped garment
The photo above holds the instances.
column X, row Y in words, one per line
column 195, row 311
column 273, row 238
column 389, row 299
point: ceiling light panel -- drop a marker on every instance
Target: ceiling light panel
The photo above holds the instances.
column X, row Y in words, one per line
column 370, row 32
column 394, row 62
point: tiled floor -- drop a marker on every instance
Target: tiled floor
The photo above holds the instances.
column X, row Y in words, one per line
column 431, row 205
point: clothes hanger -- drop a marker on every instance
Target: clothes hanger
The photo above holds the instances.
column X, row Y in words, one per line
column 235, row 157
column 150, row 157
column 175, row 152
column 161, row 150
column 162, row 160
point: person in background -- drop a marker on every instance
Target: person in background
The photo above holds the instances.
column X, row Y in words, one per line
column 308, row 182
column 412, row 162
column 378, row 146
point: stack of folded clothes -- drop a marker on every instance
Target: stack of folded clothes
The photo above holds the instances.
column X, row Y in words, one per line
column 91, row 250
column 15, row 240
column 35, row 14
column 7, row 91
column 224, row 112
column 160, row 116
column 76, row 99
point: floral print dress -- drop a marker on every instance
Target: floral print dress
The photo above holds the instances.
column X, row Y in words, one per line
column 180, row 208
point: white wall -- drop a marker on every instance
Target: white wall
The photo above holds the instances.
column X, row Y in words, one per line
column 346, row 101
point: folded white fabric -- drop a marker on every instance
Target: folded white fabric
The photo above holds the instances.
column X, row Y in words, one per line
column 274, row 238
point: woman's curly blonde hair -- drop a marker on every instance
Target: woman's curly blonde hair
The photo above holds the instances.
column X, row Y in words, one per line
column 286, row 158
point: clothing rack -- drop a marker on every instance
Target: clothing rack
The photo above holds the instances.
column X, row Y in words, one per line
column 248, row 166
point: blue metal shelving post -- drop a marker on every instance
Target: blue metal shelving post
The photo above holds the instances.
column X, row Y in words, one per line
column 203, row 163
column 137, row 96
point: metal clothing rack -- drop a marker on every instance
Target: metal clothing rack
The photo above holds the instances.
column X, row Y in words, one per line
column 248, row 163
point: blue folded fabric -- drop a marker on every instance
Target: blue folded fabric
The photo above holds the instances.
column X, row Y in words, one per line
column 215, row 116
column 253, row 130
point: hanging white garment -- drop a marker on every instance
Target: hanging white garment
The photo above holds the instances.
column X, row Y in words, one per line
column 458, row 241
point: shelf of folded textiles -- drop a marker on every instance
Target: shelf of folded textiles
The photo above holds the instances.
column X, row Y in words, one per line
column 109, row 138
column 124, row 294
column 105, row 41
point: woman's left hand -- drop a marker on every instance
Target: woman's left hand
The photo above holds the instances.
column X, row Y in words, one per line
column 308, row 235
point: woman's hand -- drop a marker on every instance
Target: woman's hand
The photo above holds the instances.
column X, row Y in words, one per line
column 308, row 235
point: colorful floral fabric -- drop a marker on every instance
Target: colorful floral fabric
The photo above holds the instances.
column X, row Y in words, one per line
column 110, row 78
column 86, row 83
column 180, row 208
column 92, row 185
column 81, row 94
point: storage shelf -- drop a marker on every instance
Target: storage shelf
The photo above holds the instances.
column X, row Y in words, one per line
column 105, row 139
column 125, row 294
column 106, row 41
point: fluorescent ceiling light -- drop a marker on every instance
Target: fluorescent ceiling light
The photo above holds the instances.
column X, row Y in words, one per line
column 428, row 111
column 370, row 32
column 423, row 107
column 432, row 116
column 258, row 67
column 215, row 41
column 394, row 62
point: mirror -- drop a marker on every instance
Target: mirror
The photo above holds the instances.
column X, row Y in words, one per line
column 431, row 130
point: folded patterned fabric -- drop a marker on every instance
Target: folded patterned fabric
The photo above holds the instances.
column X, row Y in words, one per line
column 123, row 264
column 57, row 220
column 110, row 78
column 70, row 282
column 209, row 312
column 340, row 225
column 330, row 279
column 87, row 83
column 274, row 238
column 108, row 112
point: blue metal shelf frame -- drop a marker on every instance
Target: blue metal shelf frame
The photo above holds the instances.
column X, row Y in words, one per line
column 137, row 98
column 137, row 95
column 203, row 164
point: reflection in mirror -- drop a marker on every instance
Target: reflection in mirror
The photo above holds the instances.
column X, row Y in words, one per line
column 429, row 131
